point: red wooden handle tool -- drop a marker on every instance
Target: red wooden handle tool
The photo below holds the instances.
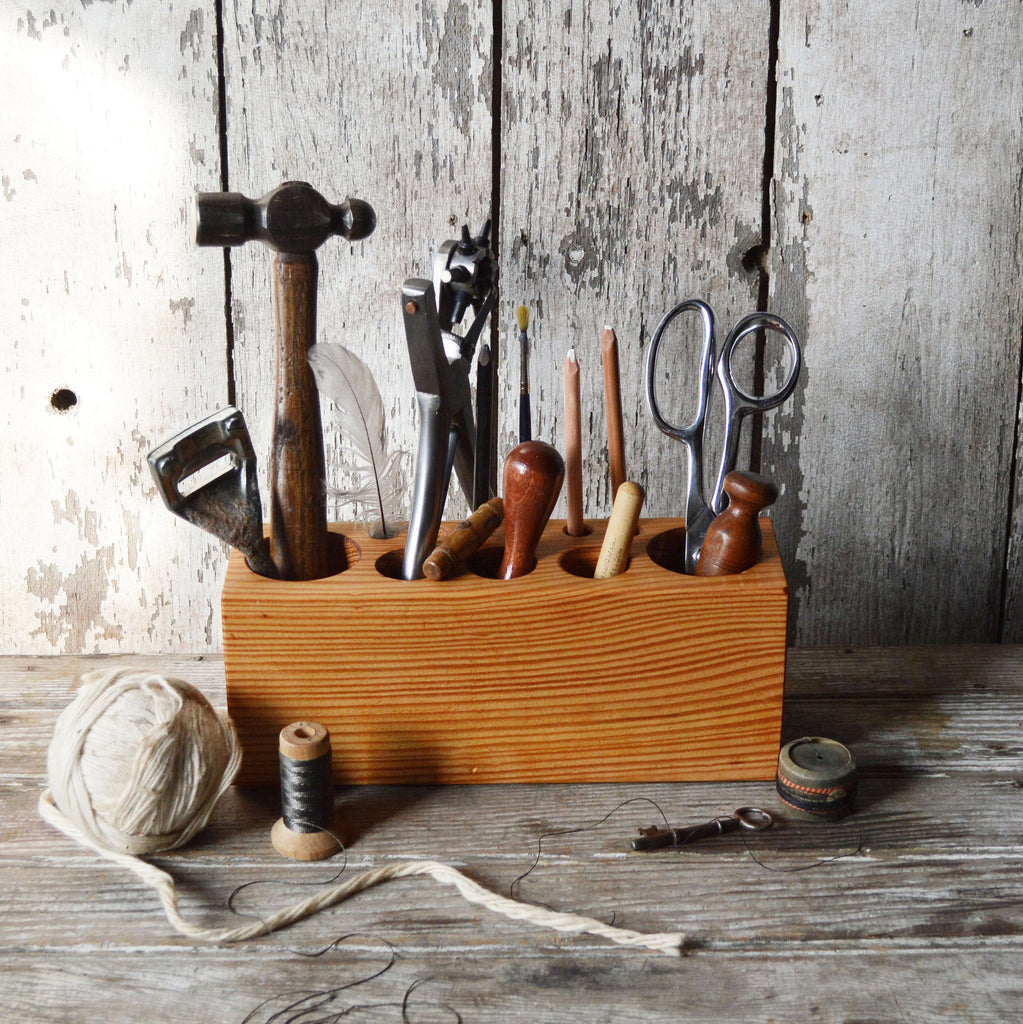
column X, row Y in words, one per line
column 533, row 474
column 733, row 539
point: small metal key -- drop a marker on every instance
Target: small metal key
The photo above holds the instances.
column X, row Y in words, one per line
column 654, row 838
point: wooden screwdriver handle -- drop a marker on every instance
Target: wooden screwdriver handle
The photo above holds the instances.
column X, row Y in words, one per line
column 533, row 474
column 733, row 539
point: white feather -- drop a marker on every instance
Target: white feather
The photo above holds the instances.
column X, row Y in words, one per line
column 381, row 486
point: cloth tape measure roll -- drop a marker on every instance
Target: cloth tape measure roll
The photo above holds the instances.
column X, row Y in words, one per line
column 816, row 778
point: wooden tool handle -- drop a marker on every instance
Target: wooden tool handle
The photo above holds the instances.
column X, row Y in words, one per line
column 533, row 474
column 621, row 528
column 298, row 503
column 733, row 539
column 464, row 540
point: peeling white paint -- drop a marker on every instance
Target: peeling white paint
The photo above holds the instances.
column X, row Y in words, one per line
column 631, row 178
column 97, row 159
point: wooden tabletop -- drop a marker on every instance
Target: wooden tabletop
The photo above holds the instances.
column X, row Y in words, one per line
column 911, row 910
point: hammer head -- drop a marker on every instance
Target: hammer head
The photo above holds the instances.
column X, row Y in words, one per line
column 293, row 218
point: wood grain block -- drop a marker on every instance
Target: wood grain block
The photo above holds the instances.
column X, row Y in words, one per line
column 551, row 677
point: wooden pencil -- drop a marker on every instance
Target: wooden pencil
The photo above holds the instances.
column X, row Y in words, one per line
column 574, row 525
column 613, row 405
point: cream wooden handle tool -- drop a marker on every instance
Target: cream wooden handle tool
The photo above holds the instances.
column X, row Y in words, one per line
column 733, row 540
column 464, row 540
column 533, row 474
column 621, row 528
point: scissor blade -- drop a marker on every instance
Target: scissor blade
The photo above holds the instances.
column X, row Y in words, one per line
column 696, row 531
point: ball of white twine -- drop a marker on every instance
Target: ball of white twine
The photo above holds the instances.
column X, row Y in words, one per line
column 137, row 763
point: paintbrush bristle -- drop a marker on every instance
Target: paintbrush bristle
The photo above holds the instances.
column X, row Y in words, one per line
column 522, row 315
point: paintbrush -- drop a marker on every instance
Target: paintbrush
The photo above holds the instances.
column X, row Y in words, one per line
column 525, row 424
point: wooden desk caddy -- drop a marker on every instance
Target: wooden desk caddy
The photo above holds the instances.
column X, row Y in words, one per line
column 552, row 677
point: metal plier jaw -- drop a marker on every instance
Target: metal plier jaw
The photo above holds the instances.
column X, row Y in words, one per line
column 464, row 278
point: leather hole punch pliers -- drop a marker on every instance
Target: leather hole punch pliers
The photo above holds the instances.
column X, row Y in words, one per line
column 464, row 278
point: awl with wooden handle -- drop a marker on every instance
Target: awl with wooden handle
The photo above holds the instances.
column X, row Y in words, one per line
column 533, row 474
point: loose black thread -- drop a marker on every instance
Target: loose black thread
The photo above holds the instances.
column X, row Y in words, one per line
column 307, row 794
column 316, row 883
column 308, row 1002
column 290, row 881
column 322, row 1006
column 319, row 1006
column 315, row 1007
column 554, row 833
column 680, row 846
column 819, row 863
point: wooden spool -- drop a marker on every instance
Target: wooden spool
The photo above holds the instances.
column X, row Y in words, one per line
column 304, row 741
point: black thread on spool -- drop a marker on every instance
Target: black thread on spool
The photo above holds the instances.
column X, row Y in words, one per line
column 307, row 794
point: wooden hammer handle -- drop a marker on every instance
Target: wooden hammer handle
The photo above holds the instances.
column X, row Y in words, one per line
column 298, row 503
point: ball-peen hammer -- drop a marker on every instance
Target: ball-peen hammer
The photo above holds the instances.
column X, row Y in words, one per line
column 294, row 220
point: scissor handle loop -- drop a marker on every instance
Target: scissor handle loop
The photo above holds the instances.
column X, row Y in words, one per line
column 739, row 402
column 692, row 432
column 748, row 325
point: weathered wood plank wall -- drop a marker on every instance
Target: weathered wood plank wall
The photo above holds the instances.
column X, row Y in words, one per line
column 109, row 127
column 898, row 165
column 857, row 171
column 631, row 178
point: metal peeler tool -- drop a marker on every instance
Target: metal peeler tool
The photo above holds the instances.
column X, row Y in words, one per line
column 227, row 506
column 751, row 818
column 464, row 278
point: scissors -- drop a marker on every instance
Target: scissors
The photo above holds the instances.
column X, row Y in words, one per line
column 738, row 404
